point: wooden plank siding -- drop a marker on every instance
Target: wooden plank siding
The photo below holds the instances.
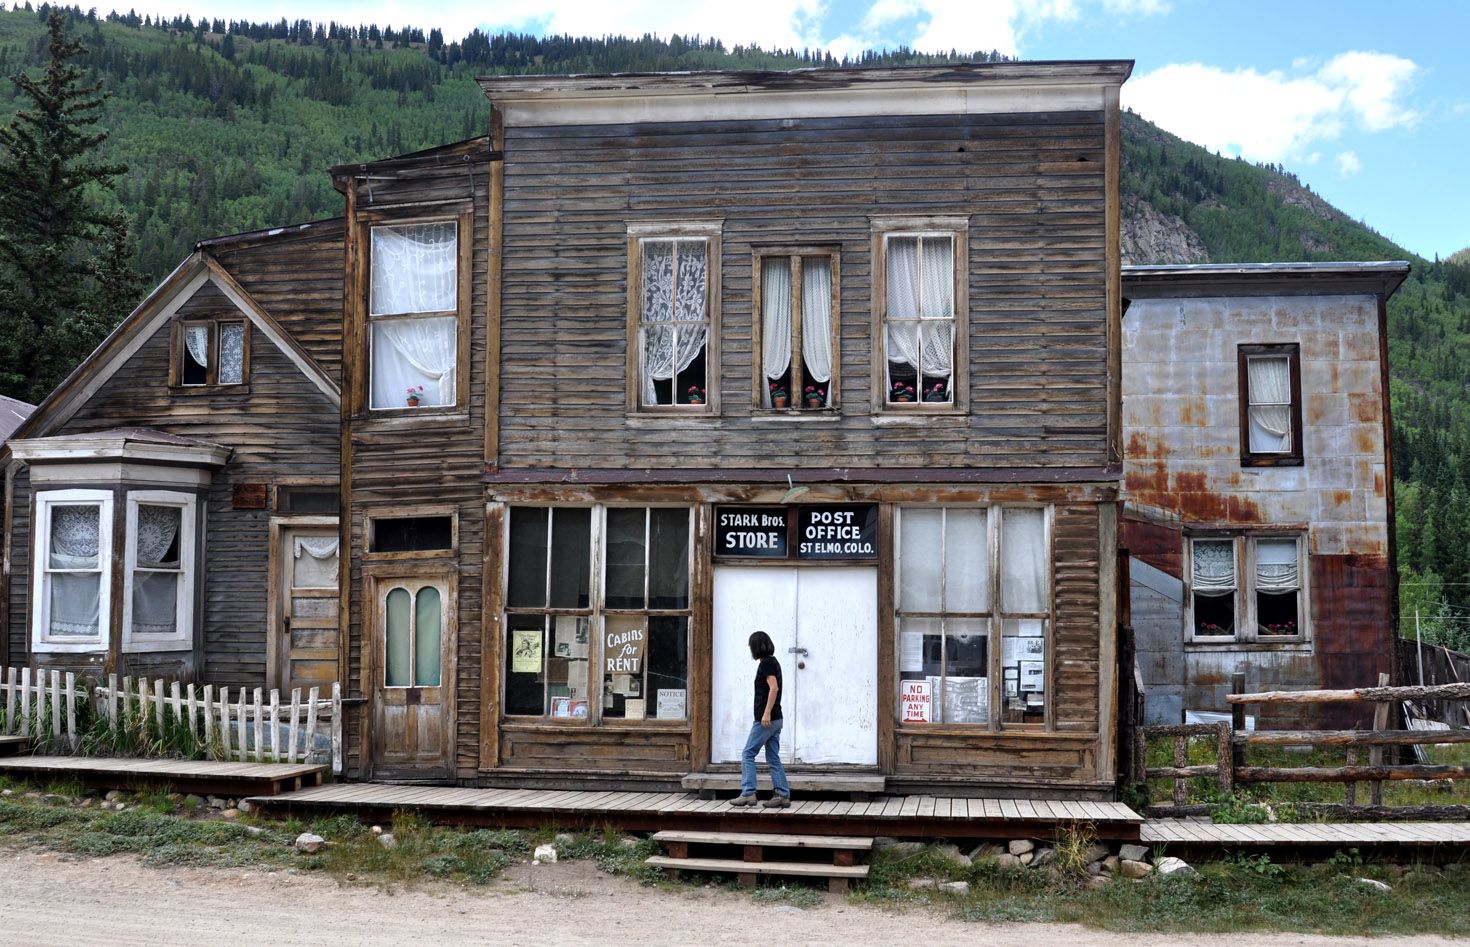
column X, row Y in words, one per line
column 280, row 425
column 1032, row 185
column 402, row 462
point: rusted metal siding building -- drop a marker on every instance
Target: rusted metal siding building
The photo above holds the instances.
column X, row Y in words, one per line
column 1258, row 500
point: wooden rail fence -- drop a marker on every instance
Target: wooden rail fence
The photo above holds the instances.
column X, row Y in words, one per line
column 1230, row 741
column 255, row 726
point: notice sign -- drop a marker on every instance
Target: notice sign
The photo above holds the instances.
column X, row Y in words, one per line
column 917, row 701
column 835, row 531
column 751, row 531
column 623, row 651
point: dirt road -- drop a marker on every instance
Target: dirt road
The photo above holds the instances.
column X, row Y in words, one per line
column 45, row 899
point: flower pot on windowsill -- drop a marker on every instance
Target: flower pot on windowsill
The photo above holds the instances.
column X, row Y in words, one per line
column 780, row 401
column 814, row 402
column 413, row 402
column 904, row 398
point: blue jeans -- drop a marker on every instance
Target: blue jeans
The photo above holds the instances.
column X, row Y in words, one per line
column 770, row 738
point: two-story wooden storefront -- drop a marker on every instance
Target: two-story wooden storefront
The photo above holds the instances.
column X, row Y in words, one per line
column 663, row 361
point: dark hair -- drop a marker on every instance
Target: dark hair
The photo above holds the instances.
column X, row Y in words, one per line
column 761, row 645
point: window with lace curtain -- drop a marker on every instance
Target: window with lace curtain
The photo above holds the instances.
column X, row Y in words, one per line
column 415, row 309
column 210, row 353
column 921, row 313
column 1270, row 405
column 158, row 597
column 674, row 273
column 797, row 329
column 1246, row 588
column 72, row 578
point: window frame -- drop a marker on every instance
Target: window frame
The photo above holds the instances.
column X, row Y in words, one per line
column 211, row 381
column 183, row 637
column 414, row 585
column 1247, row 625
column 463, row 220
column 994, row 618
column 41, row 640
column 1291, row 351
column 796, row 256
column 372, row 517
column 958, row 230
column 639, row 234
column 596, row 614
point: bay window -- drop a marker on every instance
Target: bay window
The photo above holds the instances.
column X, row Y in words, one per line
column 415, row 311
column 72, row 585
column 158, row 585
column 973, row 615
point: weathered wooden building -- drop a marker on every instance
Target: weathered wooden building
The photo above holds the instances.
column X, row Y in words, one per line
column 1258, row 503
column 661, row 361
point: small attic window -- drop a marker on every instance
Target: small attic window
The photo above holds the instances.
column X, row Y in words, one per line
column 210, row 353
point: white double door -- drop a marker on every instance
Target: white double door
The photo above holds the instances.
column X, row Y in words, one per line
column 824, row 621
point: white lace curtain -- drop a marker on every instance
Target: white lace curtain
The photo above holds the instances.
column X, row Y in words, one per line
column 75, row 596
column 232, row 353
column 315, row 562
column 1276, row 566
column 920, row 298
column 155, row 603
column 816, row 322
column 675, row 284
column 196, row 340
column 414, row 269
column 1214, row 568
column 1023, row 560
column 1270, row 407
column 411, row 354
column 775, row 322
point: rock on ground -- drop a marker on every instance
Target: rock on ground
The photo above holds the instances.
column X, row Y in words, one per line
column 1044, row 856
column 960, row 888
column 310, row 844
column 387, row 840
column 1375, row 885
column 544, row 855
column 1021, row 846
column 1133, row 853
column 1095, row 853
column 1129, row 868
column 1173, row 866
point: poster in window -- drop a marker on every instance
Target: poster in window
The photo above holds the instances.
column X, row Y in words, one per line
column 1012, row 678
column 1015, row 650
column 1033, row 677
column 571, row 637
column 672, row 703
column 525, row 651
column 634, row 709
column 917, row 700
column 624, row 648
column 561, row 706
column 966, row 700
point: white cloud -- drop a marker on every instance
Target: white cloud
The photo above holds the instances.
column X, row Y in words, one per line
column 1272, row 116
column 1001, row 25
column 1348, row 164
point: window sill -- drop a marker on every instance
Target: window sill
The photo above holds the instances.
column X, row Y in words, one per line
column 153, row 647
column 80, row 647
column 411, row 417
column 1248, row 644
column 614, row 725
column 189, row 391
column 1268, row 461
column 795, row 416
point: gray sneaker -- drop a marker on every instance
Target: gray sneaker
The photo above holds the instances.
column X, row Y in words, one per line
column 745, row 800
column 777, row 802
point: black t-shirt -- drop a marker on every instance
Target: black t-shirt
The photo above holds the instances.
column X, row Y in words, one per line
column 768, row 667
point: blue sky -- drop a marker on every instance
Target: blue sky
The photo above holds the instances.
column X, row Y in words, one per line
column 1368, row 102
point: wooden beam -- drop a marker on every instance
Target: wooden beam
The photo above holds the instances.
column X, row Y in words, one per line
column 1369, row 694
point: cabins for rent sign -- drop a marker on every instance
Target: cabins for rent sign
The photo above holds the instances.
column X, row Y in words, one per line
column 624, row 650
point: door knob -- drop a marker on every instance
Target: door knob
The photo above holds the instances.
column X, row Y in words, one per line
column 800, row 665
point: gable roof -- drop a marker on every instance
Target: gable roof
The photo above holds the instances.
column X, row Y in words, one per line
column 197, row 270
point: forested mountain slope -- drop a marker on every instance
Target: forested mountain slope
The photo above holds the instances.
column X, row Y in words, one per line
column 229, row 126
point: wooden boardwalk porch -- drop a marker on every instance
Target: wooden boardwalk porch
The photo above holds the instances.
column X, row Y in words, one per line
column 221, row 778
column 897, row 816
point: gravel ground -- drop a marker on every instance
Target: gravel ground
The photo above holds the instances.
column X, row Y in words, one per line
column 50, row 899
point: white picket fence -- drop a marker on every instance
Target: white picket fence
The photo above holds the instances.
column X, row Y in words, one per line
column 255, row 726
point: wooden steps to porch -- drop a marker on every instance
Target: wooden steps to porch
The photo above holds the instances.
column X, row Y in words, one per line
column 839, row 867
column 14, row 745
column 222, row 778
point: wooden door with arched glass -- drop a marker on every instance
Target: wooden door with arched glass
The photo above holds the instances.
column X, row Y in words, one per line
column 413, row 632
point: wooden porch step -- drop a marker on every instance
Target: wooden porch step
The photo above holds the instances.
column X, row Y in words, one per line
column 747, row 871
column 766, row 840
column 800, row 782
column 14, row 745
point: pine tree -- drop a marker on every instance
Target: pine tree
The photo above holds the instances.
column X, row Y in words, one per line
column 64, row 267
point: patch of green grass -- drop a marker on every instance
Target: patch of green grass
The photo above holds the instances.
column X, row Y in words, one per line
column 797, row 895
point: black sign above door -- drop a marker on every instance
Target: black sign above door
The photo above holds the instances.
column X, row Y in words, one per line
column 757, row 532
column 817, row 531
column 833, row 531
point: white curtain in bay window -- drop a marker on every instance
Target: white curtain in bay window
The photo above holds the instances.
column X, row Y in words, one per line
column 1213, row 571
column 1023, row 560
column 75, row 543
column 315, row 565
column 816, row 322
column 675, row 283
column 775, row 324
column 155, row 601
column 1276, row 566
column 409, row 353
column 1270, row 404
column 414, row 269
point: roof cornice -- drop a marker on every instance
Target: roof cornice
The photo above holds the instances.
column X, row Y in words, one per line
column 1378, row 278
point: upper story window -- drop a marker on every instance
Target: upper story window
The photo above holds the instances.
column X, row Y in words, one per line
column 1270, row 405
column 415, row 312
column 922, row 311
column 675, row 272
column 210, row 353
column 797, row 331
column 1246, row 588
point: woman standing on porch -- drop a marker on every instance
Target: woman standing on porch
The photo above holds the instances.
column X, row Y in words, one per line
column 766, row 731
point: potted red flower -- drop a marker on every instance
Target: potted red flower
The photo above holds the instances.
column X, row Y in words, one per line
column 414, row 394
column 902, row 391
column 696, row 394
column 814, row 397
column 779, row 398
